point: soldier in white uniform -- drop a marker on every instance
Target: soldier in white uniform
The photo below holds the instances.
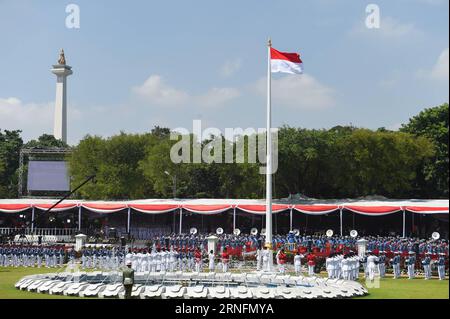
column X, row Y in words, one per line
column 338, row 269
column 363, row 261
column 329, row 265
column 345, row 268
column 372, row 262
column 258, row 259
column 163, row 260
column 144, row 262
column 298, row 263
column 277, row 258
column 173, row 260
column 357, row 265
column 265, row 258
column 153, row 261
column 211, row 261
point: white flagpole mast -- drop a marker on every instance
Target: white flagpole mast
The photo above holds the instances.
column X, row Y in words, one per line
column 268, row 236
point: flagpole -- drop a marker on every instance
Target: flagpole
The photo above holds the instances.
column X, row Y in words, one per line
column 268, row 236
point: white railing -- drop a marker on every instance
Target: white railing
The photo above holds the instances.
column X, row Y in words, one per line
column 39, row 231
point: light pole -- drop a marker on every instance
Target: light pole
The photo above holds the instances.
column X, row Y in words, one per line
column 174, row 189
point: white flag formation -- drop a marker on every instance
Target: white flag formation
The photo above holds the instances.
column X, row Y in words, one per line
column 285, row 62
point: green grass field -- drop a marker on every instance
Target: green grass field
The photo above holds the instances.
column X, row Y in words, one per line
column 389, row 288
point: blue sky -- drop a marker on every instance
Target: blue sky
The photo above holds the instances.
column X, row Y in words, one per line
column 167, row 63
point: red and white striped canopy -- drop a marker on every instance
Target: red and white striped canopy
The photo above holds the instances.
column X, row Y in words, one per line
column 103, row 208
column 207, row 209
column 14, row 208
column 373, row 210
column 316, row 209
column 427, row 210
column 217, row 206
column 153, row 208
column 261, row 209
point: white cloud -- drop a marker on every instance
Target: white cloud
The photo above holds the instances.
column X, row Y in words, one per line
column 299, row 91
column 230, row 67
column 33, row 119
column 390, row 28
column 217, row 96
column 441, row 69
column 154, row 90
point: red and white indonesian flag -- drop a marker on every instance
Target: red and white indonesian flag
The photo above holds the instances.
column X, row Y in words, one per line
column 285, row 62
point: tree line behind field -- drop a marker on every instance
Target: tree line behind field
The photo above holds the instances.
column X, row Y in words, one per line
column 341, row 162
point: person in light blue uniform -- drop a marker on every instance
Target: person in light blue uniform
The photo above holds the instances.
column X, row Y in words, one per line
column 395, row 261
column 441, row 266
column 382, row 264
column 411, row 263
column 426, row 263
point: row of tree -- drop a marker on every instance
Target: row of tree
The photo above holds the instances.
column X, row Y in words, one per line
column 341, row 162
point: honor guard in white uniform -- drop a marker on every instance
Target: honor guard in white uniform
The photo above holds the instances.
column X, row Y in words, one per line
column 298, row 263
column 173, row 259
column 363, row 261
column 153, row 261
column 345, row 267
column 265, row 259
column 258, row 259
column 329, row 265
column 277, row 258
column 211, row 265
column 426, row 263
column 338, row 266
column 144, row 262
column 162, row 263
column 372, row 262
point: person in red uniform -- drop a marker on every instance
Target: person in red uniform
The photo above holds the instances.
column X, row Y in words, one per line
column 311, row 263
column 198, row 260
column 225, row 259
column 282, row 258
